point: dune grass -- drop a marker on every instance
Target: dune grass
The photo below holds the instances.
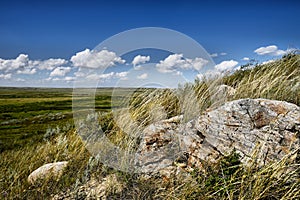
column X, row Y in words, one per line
column 278, row 80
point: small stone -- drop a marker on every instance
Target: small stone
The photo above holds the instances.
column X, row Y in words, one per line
column 47, row 171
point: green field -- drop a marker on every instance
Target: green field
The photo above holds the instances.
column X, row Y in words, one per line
column 27, row 113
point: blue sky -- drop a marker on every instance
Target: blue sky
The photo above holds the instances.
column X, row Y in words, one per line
column 57, row 30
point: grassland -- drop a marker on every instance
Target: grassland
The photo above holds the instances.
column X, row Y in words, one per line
column 36, row 127
column 27, row 113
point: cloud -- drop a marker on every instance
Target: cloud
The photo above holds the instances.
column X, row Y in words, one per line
column 197, row 63
column 69, row 78
column 140, row 60
column 91, row 74
column 5, row 76
column 96, row 59
column 138, row 67
column 60, row 71
column 79, row 74
column 213, row 55
column 268, row 61
column 216, row 54
column 20, row 80
column 270, row 50
column 111, row 75
column 246, row 59
column 56, row 79
column 50, row 64
column 23, row 65
column 121, row 74
column 14, row 64
column 175, row 62
column 92, row 77
column 27, row 71
column 226, row 65
column 107, row 76
column 178, row 73
column 200, row 76
column 142, row 76
column 59, row 68
column 170, row 63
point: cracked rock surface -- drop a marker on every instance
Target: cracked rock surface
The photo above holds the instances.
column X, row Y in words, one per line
column 243, row 125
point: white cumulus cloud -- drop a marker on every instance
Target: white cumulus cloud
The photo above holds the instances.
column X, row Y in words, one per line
column 20, row 80
column 5, row 76
column 69, row 78
column 270, row 50
column 139, row 59
column 23, row 65
column 268, row 61
column 138, row 67
column 214, row 55
column 246, row 59
column 50, row 64
column 60, row 71
column 107, row 76
column 196, row 63
column 92, row 77
column 121, row 74
column 142, row 76
column 27, row 71
column 175, row 62
column 170, row 63
column 14, row 64
column 96, row 59
column 226, row 65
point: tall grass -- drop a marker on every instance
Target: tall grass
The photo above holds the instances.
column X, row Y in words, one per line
column 226, row 179
column 275, row 80
column 16, row 165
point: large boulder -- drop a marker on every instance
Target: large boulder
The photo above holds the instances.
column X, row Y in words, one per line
column 159, row 146
column 268, row 127
column 48, row 170
column 271, row 126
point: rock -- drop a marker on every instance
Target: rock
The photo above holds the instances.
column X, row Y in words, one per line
column 159, row 146
column 243, row 125
column 47, row 171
